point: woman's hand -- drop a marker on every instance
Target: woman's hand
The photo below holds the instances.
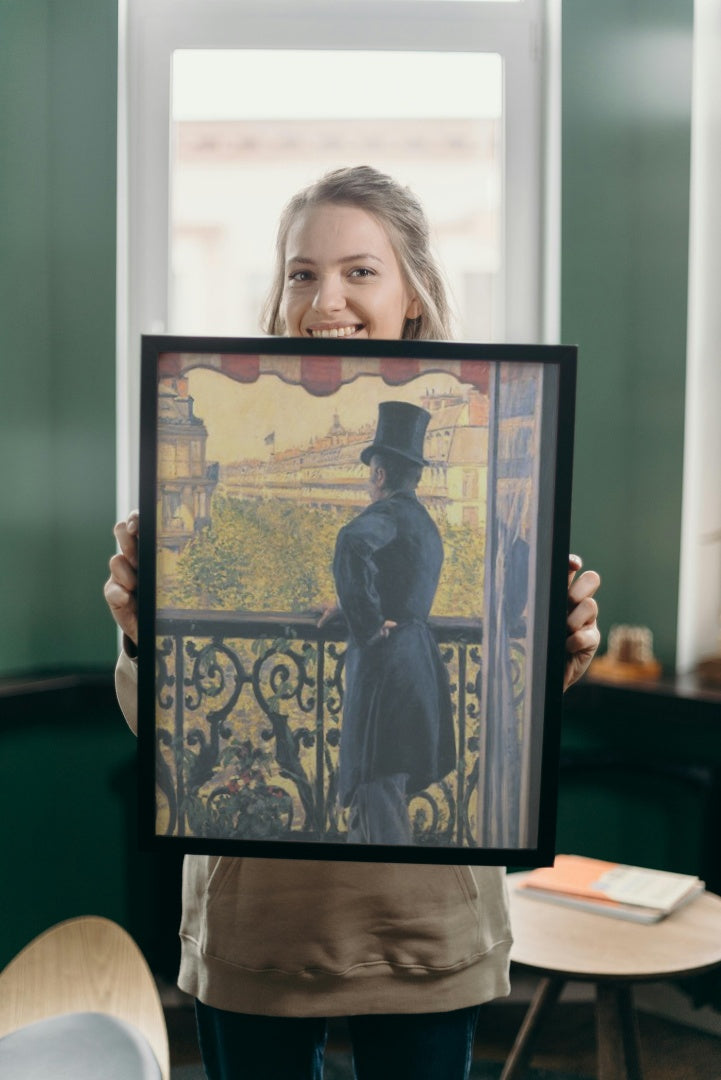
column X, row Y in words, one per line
column 121, row 587
column 582, row 634
column 327, row 612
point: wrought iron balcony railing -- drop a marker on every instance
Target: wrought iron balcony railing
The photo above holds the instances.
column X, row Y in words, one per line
column 248, row 716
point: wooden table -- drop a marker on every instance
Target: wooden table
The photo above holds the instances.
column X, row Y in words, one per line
column 563, row 944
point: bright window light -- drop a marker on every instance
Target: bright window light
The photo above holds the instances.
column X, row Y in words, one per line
column 251, row 127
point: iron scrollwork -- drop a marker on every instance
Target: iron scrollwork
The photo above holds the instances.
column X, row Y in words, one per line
column 248, row 731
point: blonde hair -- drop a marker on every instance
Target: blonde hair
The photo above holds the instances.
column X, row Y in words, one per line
column 403, row 217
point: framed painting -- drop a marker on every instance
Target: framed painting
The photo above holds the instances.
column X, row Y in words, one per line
column 352, row 597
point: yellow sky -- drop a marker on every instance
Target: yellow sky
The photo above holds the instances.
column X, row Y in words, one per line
column 239, row 416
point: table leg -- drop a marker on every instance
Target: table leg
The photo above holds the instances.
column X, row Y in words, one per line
column 617, row 1033
column 545, row 997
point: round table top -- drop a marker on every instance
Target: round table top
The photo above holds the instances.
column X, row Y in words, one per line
column 560, row 940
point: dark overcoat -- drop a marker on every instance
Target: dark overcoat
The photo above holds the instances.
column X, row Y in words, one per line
column 397, row 712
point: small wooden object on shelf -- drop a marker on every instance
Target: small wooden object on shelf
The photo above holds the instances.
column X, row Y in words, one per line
column 708, row 671
column 629, row 657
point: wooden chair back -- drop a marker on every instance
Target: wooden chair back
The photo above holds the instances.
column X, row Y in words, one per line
column 87, row 964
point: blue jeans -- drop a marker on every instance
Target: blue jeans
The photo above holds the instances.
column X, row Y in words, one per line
column 414, row 1046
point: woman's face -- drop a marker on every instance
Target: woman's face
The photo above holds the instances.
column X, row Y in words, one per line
column 342, row 277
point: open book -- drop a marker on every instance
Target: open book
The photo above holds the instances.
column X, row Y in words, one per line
column 607, row 888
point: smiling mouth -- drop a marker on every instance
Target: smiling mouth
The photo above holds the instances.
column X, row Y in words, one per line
column 335, row 331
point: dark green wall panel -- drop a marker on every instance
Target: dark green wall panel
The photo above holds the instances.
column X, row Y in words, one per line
column 69, row 800
column 82, row 275
column 68, row 823
column 626, row 144
column 25, row 432
column 58, row 77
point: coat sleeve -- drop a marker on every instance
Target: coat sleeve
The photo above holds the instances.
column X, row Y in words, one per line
column 355, row 572
column 126, row 688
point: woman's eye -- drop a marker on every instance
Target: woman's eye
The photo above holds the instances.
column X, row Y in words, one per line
column 362, row 272
column 299, row 276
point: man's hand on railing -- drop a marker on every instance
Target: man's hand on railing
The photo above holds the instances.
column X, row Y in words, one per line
column 328, row 612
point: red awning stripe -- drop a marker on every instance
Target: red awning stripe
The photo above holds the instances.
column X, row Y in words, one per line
column 244, row 368
column 320, row 375
column 397, row 370
column 323, row 375
column 475, row 372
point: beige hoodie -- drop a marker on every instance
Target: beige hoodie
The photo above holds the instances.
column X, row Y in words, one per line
column 285, row 937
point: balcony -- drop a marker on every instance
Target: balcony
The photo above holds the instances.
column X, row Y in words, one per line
column 248, row 716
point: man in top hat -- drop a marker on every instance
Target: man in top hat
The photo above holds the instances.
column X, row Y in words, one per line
column 397, row 733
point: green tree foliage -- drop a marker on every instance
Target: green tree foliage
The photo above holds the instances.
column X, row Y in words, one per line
column 260, row 555
column 275, row 555
column 460, row 589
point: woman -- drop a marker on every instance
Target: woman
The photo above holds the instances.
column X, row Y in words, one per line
column 271, row 948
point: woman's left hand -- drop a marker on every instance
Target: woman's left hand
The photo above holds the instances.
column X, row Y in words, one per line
column 582, row 634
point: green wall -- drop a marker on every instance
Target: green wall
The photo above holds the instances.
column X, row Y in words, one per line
column 68, row 797
column 66, row 759
column 65, row 797
column 625, row 167
column 58, row 73
column 641, row 779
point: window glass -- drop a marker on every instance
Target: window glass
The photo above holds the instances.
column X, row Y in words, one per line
column 251, row 127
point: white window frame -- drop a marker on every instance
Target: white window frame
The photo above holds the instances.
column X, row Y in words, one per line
column 526, row 34
column 699, row 597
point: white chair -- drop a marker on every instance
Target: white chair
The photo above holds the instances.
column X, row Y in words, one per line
column 80, row 1002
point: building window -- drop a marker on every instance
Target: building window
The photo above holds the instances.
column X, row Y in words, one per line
column 470, row 483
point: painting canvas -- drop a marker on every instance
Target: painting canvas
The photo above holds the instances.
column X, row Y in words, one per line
column 353, row 566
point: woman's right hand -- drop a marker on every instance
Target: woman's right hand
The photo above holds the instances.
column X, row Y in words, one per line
column 121, row 587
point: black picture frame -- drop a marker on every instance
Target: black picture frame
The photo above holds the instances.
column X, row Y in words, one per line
column 249, row 464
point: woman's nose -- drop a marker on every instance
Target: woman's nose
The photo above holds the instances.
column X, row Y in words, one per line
column 329, row 296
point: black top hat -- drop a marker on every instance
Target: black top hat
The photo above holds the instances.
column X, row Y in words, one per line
column 401, row 429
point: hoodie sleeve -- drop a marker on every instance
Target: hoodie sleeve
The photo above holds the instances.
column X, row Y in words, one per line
column 126, row 688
